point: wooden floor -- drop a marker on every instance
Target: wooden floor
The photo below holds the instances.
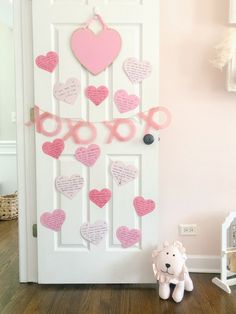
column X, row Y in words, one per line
column 18, row 298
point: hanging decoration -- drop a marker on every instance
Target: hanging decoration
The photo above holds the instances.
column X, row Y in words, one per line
column 88, row 156
column 94, row 233
column 68, row 91
column 69, row 186
column 74, row 126
column 48, row 62
column 95, row 51
column 96, row 95
column 53, row 149
column 142, row 206
column 123, row 173
column 100, row 198
column 224, row 51
column 128, row 237
column 125, row 102
column 54, row 220
column 137, row 70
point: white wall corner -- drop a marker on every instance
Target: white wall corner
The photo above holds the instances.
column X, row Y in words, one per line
column 203, row 263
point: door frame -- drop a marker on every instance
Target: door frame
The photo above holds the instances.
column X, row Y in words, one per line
column 22, row 10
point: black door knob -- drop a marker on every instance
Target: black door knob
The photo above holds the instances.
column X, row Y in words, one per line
column 148, row 139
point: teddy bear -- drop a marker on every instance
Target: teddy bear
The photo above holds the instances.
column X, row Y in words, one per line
column 169, row 267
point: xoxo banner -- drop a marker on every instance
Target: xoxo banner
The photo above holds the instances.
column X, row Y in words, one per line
column 66, row 128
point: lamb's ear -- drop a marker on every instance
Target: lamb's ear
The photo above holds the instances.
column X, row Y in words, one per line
column 165, row 244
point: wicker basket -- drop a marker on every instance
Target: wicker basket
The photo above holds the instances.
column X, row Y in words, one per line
column 8, row 207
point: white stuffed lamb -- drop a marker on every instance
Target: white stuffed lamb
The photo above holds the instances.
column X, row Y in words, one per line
column 169, row 267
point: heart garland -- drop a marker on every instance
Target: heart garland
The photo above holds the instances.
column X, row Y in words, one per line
column 53, row 149
column 96, row 95
column 128, row 237
column 137, row 70
column 125, row 102
column 122, row 173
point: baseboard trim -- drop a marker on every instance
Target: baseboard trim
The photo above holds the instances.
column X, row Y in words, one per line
column 203, row 263
column 7, row 148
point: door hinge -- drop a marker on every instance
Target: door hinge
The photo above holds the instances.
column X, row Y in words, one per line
column 32, row 114
column 35, row 230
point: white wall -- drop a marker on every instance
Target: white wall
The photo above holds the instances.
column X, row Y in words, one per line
column 198, row 150
column 8, row 178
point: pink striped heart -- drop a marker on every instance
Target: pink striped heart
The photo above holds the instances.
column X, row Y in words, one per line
column 48, row 62
column 97, row 95
column 125, row 102
column 100, row 198
column 53, row 220
column 142, row 206
column 54, row 149
column 88, row 156
column 128, row 237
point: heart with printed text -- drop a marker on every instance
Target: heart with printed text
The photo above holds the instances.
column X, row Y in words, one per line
column 48, row 62
column 96, row 95
column 68, row 91
column 53, row 149
column 125, row 102
column 137, row 70
column 88, row 156
column 69, row 186
column 123, row 173
column 94, row 233
column 128, row 237
column 53, row 220
column 100, row 198
column 142, row 206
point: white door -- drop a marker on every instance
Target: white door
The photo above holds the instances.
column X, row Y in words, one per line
column 65, row 256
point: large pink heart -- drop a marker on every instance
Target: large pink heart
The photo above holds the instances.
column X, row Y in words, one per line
column 142, row 206
column 94, row 233
column 69, row 186
column 54, row 149
column 96, row 95
column 123, row 173
column 100, row 198
column 48, row 62
column 125, row 102
column 128, row 237
column 88, row 156
column 137, row 70
column 95, row 51
column 53, row 220
column 68, row 91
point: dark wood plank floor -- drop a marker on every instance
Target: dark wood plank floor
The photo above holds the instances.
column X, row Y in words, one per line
column 16, row 298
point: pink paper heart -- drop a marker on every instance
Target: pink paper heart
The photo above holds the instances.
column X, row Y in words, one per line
column 48, row 62
column 142, row 206
column 97, row 95
column 54, row 149
column 95, row 51
column 69, row 186
column 53, row 220
column 94, row 233
column 128, row 237
column 137, row 70
column 123, row 173
column 125, row 102
column 100, row 198
column 67, row 92
column 88, row 156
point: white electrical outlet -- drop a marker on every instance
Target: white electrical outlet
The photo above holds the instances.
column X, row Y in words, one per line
column 188, row 229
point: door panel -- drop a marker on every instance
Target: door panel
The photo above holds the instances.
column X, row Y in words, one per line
column 65, row 257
